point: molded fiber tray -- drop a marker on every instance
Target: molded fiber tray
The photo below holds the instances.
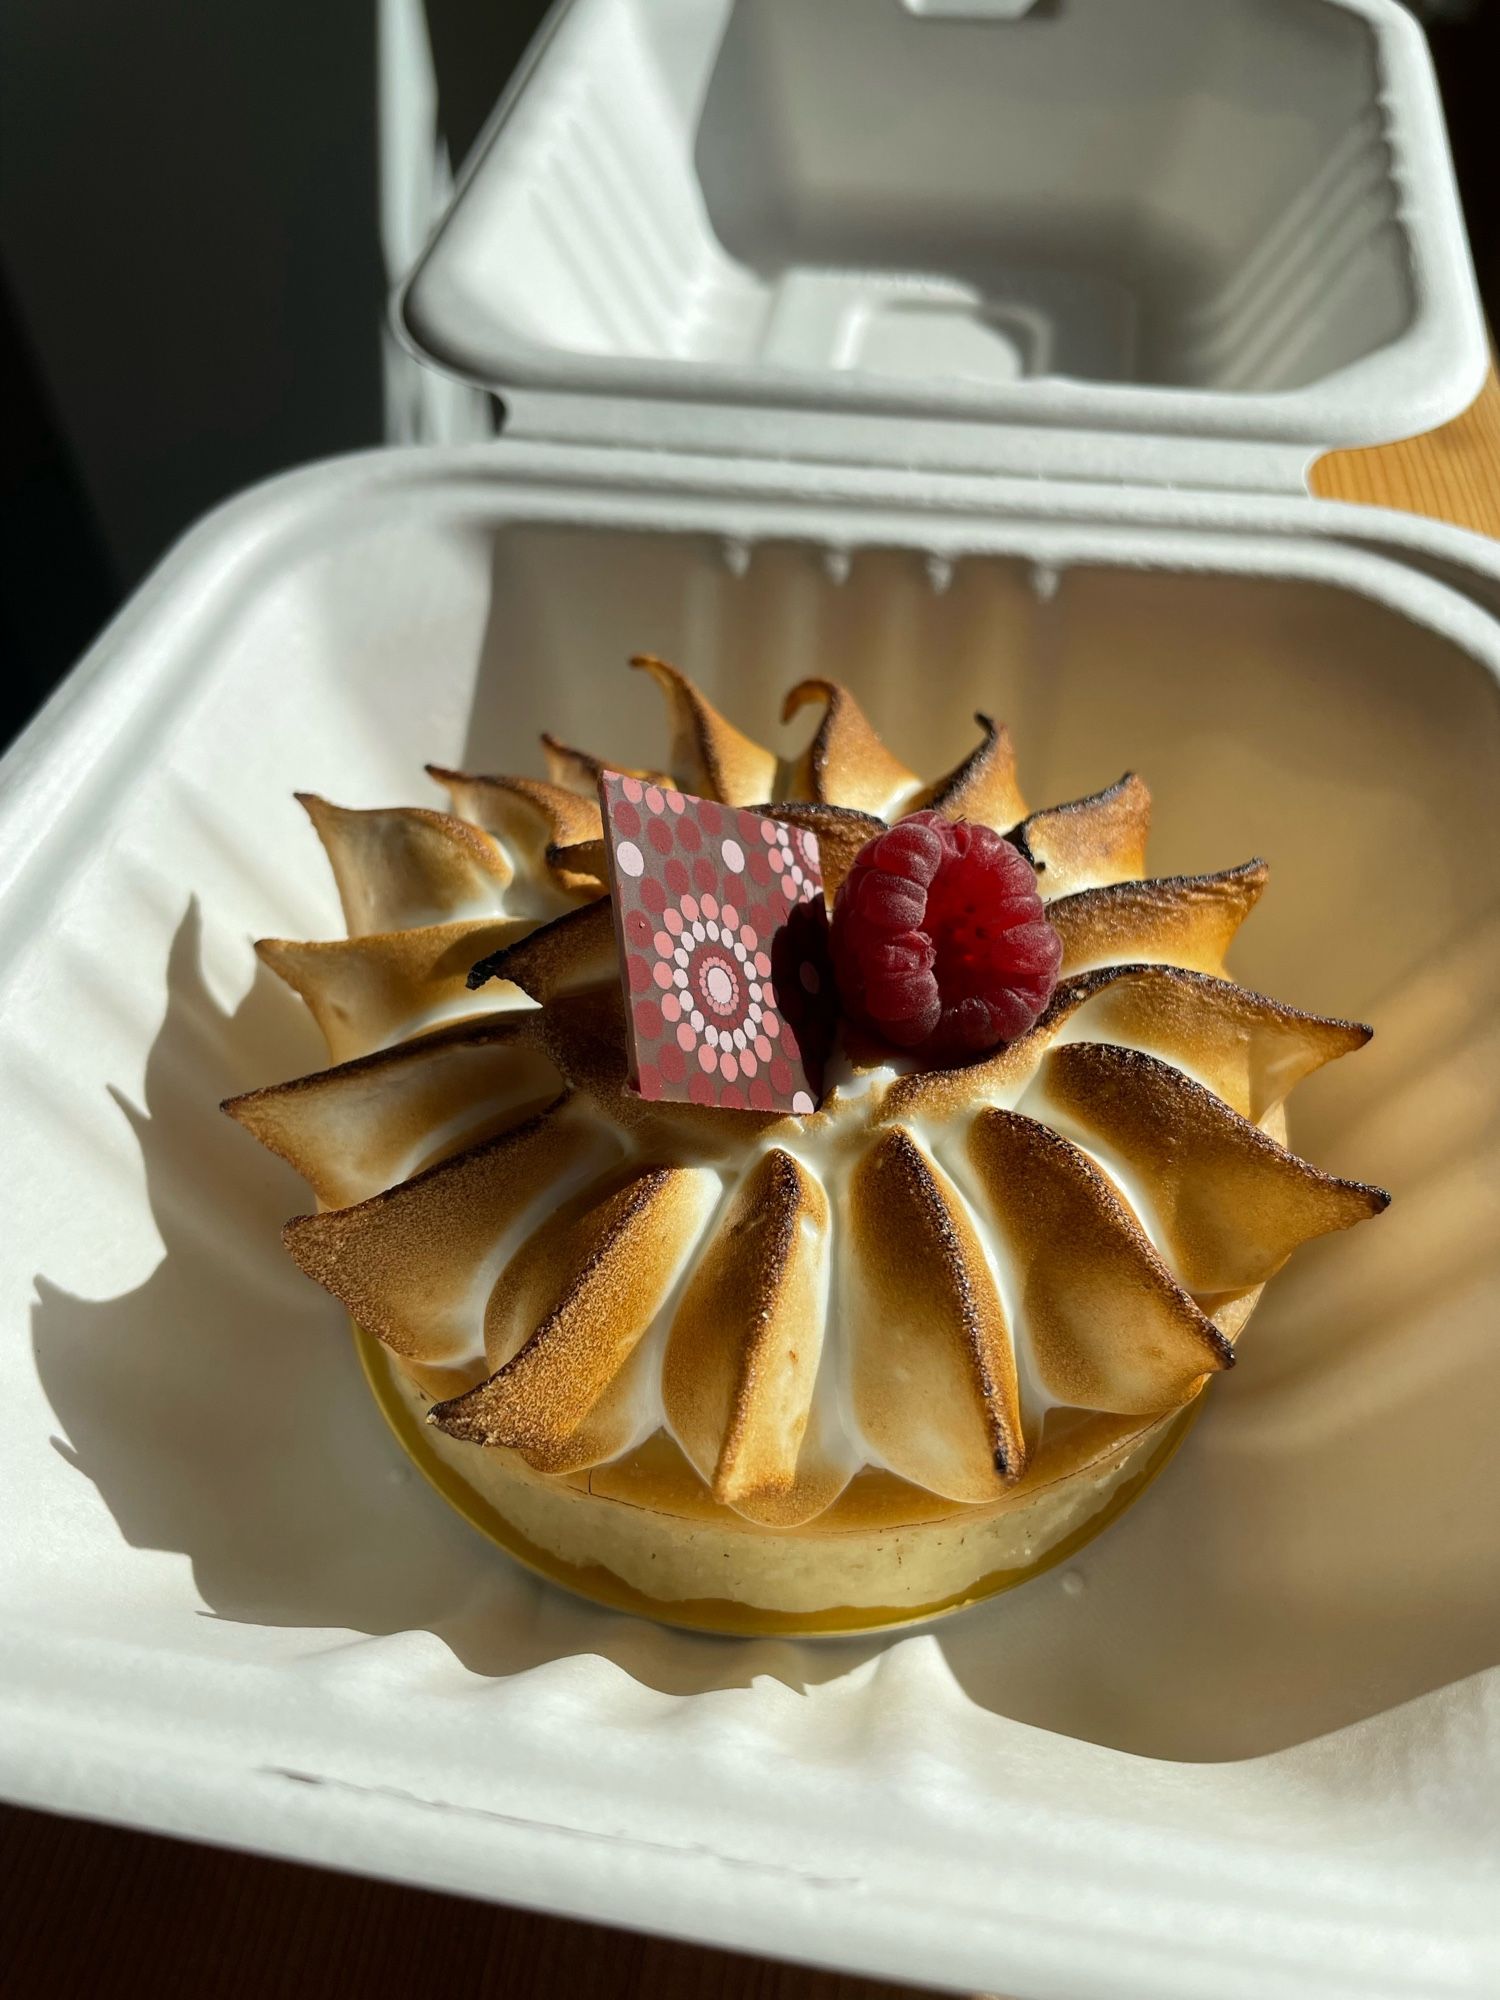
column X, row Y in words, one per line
column 1247, row 1744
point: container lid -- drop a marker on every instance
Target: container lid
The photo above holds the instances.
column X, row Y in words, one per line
column 1161, row 241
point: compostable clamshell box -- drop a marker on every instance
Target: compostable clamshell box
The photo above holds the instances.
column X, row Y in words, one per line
column 972, row 353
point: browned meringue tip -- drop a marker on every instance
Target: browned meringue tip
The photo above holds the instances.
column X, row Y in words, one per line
column 1184, row 920
column 1088, row 842
column 322, row 812
column 983, row 786
column 564, row 757
column 578, row 771
column 1075, row 989
column 487, row 969
column 511, row 809
column 933, row 1314
column 396, row 867
column 814, row 688
column 1071, row 807
column 709, row 755
column 948, row 791
column 403, row 1259
column 1074, row 1238
column 845, row 758
column 352, row 1129
column 362, row 991
column 574, row 951
column 744, row 1349
column 813, row 812
column 570, row 1312
column 554, row 746
column 1230, row 1203
column 579, row 857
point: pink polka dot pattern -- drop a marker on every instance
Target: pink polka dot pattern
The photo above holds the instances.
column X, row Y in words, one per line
column 706, row 898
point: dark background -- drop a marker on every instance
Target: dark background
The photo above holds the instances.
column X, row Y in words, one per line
column 192, row 278
column 197, row 1921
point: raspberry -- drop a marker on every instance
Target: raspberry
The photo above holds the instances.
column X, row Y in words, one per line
column 939, row 941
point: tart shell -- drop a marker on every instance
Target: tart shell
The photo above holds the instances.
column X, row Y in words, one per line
column 645, row 1536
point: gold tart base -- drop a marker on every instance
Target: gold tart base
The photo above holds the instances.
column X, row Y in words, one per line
column 1120, row 1473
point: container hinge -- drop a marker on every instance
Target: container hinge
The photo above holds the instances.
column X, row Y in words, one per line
column 1056, row 452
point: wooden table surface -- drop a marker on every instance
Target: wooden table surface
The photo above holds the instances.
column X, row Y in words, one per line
column 89, row 1910
column 1452, row 474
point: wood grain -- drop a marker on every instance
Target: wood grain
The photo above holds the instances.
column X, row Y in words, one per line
column 1453, row 474
column 92, row 1910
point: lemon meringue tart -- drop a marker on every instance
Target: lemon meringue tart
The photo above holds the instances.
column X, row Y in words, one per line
column 753, row 1347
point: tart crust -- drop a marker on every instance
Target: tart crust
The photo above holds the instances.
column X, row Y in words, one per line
column 644, row 1535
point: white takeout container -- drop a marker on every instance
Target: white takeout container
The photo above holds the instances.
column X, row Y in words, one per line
column 1248, row 1743
column 1162, row 241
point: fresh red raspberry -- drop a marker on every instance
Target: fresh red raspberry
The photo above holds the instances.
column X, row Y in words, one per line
column 939, row 941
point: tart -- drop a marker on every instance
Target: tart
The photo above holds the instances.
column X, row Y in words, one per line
column 756, row 1368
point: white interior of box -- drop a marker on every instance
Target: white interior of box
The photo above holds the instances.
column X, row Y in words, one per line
column 233, row 1609
column 1174, row 192
column 908, row 201
column 1310, row 1558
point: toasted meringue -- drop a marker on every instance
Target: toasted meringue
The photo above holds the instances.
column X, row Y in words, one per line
column 811, row 1372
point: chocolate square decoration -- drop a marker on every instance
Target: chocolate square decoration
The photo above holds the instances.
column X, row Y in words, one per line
column 723, row 936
